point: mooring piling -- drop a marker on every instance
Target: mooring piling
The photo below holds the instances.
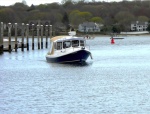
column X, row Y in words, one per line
column 16, row 42
column 50, row 31
column 9, row 36
column 46, row 33
column 27, row 36
column 23, row 29
column 41, row 36
column 32, row 36
column 38, row 29
column 1, row 37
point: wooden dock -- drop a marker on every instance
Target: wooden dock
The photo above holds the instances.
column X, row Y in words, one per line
column 25, row 33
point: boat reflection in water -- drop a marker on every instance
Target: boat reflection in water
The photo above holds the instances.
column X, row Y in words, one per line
column 69, row 48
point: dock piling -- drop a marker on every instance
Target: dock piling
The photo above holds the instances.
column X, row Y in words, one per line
column 16, row 42
column 32, row 36
column 27, row 35
column 23, row 29
column 46, row 32
column 38, row 29
column 1, row 38
column 9, row 36
column 50, row 31
column 41, row 36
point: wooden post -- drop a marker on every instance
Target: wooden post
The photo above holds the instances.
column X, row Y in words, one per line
column 23, row 29
column 16, row 42
column 38, row 28
column 32, row 36
column 1, row 38
column 9, row 36
column 41, row 36
column 46, row 28
column 27, row 35
column 50, row 31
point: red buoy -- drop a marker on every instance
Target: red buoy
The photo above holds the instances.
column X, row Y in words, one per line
column 112, row 41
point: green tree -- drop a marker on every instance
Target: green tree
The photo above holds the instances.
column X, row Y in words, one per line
column 124, row 18
column 148, row 28
column 75, row 18
column 85, row 15
column 97, row 20
column 39, row 16
column 65, row 20
column 8, row 15
column 116, row 29
column 143, row 18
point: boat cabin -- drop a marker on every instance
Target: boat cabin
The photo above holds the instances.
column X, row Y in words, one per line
column 67, row 43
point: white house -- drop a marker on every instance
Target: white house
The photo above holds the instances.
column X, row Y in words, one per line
column 89, row 27
column 139, row 26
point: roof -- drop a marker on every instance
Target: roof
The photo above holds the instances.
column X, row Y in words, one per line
column 139, row 23
column 62, row 38
column 56, row 38
column 88, row 24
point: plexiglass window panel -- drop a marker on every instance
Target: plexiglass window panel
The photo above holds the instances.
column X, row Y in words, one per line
column 59, row 45
column 75, row 43
column 66, row 44
column 81, row 43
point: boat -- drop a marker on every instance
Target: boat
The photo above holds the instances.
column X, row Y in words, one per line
column 69, row 48
column 6, row 45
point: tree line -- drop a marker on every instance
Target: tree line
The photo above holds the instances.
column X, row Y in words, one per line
column 116, row 16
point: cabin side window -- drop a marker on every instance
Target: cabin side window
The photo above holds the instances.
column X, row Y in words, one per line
column 75, row 43
column 66, row 44
column 82, row 43
column 59, row 45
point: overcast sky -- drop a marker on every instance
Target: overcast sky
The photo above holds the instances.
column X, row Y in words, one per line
column 36, row 2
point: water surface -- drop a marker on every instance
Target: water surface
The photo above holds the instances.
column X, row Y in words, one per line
column 116, row 80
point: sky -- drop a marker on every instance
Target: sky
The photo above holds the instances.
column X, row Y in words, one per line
column 37, row 2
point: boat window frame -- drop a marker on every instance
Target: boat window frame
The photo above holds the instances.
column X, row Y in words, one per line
column 64, row 45
column 55, row 45
column 75, row 44
column 58, row 45
column 83, row 42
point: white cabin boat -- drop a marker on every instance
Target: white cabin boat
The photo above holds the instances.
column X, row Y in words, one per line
column 68, row 49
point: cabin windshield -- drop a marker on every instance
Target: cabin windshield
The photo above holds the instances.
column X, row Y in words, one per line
column 75, row 43
column 66, row 44
column 82, row 43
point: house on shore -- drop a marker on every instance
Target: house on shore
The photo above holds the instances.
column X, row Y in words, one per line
column 89, row 27
column 139, row 26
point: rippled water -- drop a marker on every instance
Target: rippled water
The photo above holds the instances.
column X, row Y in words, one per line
column 116, row 81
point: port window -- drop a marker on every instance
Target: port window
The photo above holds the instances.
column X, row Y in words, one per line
column 59, row 45
column 75, row 43
column 66, row 44
column 81, row 43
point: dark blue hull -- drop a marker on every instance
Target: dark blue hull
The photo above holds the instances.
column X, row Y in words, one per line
column 79, row 56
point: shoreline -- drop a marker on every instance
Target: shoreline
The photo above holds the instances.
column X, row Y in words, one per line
column 84, row 35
